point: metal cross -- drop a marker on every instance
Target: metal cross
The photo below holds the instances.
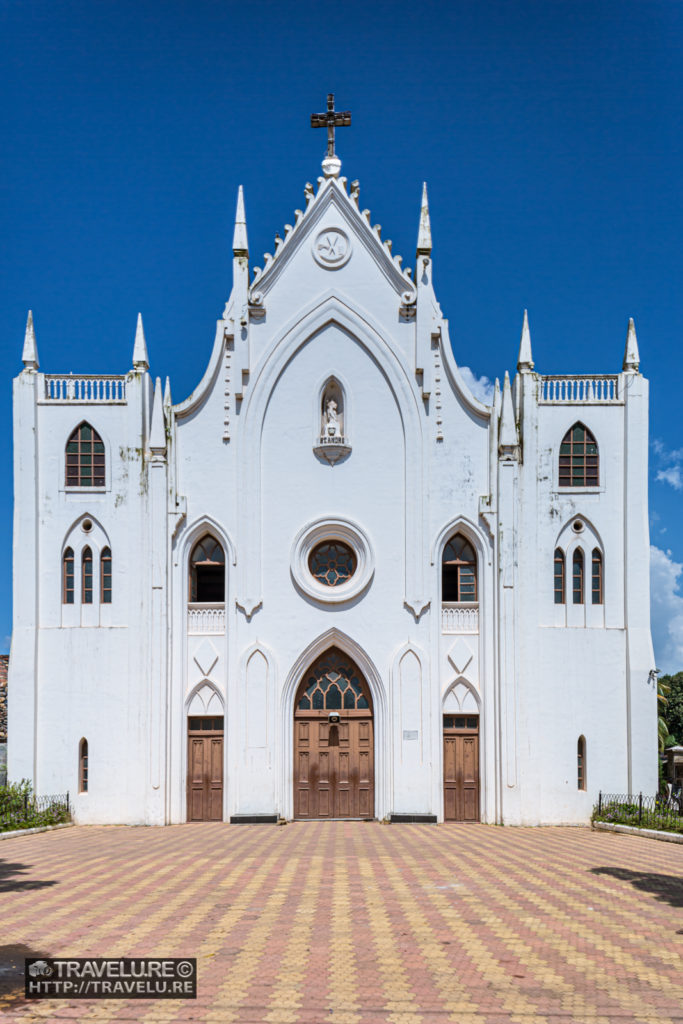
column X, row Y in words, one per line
column 331, row 119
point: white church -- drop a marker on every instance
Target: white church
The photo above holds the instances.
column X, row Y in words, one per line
column 331, row 583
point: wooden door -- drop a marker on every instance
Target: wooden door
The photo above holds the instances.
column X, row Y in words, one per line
column 333, row 760
column 205, row 769
column 461, row 767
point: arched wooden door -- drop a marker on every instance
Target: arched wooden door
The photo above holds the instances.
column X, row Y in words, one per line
column 334, row 754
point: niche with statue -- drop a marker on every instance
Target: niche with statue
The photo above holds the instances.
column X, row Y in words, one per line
column 331, row 429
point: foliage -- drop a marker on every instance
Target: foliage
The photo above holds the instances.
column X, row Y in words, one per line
column 20, row 808
column 672, row 710
column 655, row 814
column 663, row 690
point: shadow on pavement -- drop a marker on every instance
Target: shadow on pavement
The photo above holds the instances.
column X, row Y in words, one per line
column 12, row 971
column 667, row 888
column 8, row 883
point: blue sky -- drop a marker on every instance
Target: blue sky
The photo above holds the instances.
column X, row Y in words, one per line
column 549, row 133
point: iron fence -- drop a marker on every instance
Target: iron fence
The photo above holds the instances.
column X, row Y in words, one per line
column 24, row 810
column 664, row 811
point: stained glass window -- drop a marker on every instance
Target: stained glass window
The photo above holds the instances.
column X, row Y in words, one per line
column 332, row 563
column 559, row 576
column 85, row 458
column 596, row 588
column 578, row 458
column 207, row 571
column 86, row 565
column 459, row 571
column 105, row 576
column 333, row 683
column 68, row 577
column 577, row 582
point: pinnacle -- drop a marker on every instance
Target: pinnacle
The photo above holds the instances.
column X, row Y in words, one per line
column 29, row 355
column 424, row 234
column 240, row 245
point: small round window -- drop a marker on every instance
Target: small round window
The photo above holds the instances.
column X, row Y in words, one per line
column 332, row 563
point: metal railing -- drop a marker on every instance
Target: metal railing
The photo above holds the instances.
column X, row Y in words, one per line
column 659, row 812
column 24, row 810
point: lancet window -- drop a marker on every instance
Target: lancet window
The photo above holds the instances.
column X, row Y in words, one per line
column 577, row 576
column 83, row 766
column 581, row 762
column 459, row 571
column 68, row 577
column 559, row 576
column 105, row 576
column 333, row 682
column 207, row 571
column 86, row 576
column 85, row 458
column 579, row 459
column 596, row 577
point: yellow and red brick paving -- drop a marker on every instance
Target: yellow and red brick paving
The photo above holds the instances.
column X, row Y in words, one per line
column 355, row 923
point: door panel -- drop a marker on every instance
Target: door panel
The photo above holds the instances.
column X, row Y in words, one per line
column 461, row 773
column 205, row 774
column 334, row 778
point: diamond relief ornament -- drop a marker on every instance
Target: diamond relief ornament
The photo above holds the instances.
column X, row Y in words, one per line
column 206, row 657
column 331, row 248
column 460, row 655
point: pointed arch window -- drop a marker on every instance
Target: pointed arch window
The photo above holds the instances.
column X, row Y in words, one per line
column 559, row 576
column 577, row 576
column 105, row 576
column 83, row 766
column 596, row 577
column 86, row 576
column 68, row 577
column 581, row 762
column 85, row 458
column 579, row 458
column 207, row 571
column 459, row 571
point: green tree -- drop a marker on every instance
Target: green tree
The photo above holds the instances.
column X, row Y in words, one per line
column 671, row 709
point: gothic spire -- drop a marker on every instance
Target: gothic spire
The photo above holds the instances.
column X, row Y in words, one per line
column 525, row 362
column 157, row 430
column 167, row 394
column 140, row 358
column 631, row 353
column 29, row 356
column 507, row 439
column 424, row 234
column 240, row 246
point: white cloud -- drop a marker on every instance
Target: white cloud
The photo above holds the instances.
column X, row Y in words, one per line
column 481, row 387
column 672, row 476
column 666, row 604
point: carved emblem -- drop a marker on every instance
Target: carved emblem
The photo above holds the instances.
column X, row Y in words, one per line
column 332, row 247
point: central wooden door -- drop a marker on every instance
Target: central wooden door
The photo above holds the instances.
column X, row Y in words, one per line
column 205, row 768
column 333, row 742
column 461, row 767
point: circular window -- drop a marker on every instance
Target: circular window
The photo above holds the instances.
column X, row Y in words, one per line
column 577, row 526
column 87, row 525
column 332, row 563
column 332, row 560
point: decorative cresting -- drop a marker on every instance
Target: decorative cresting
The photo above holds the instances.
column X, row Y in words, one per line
column 332, row 442
column 333, row 741
column 332, row 683
column 332, row 560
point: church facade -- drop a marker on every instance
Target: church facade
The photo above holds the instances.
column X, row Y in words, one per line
column 331, row 582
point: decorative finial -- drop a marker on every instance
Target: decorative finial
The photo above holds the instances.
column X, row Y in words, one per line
column 525, row 362
column 240, row 246
column 140, row 357
column 631, row 353
column 29, row 355
column 331, row 119
column 424, row 234
column 508, row 441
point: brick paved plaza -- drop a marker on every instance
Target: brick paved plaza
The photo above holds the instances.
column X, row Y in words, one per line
column 350, row 922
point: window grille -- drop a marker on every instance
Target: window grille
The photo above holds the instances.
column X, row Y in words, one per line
column 85, row 458
column 579, row 458
column 459, row 571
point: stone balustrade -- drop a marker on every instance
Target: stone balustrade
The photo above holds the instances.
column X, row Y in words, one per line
column 85, row 388
column 591, row 390
column 459, row 617
column 206, row 618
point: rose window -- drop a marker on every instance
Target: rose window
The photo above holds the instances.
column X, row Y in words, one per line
column 332, row 563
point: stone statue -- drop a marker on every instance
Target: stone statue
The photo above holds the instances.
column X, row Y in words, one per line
column 331, row 419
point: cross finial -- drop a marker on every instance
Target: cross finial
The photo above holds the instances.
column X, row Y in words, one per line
column 331, row 119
